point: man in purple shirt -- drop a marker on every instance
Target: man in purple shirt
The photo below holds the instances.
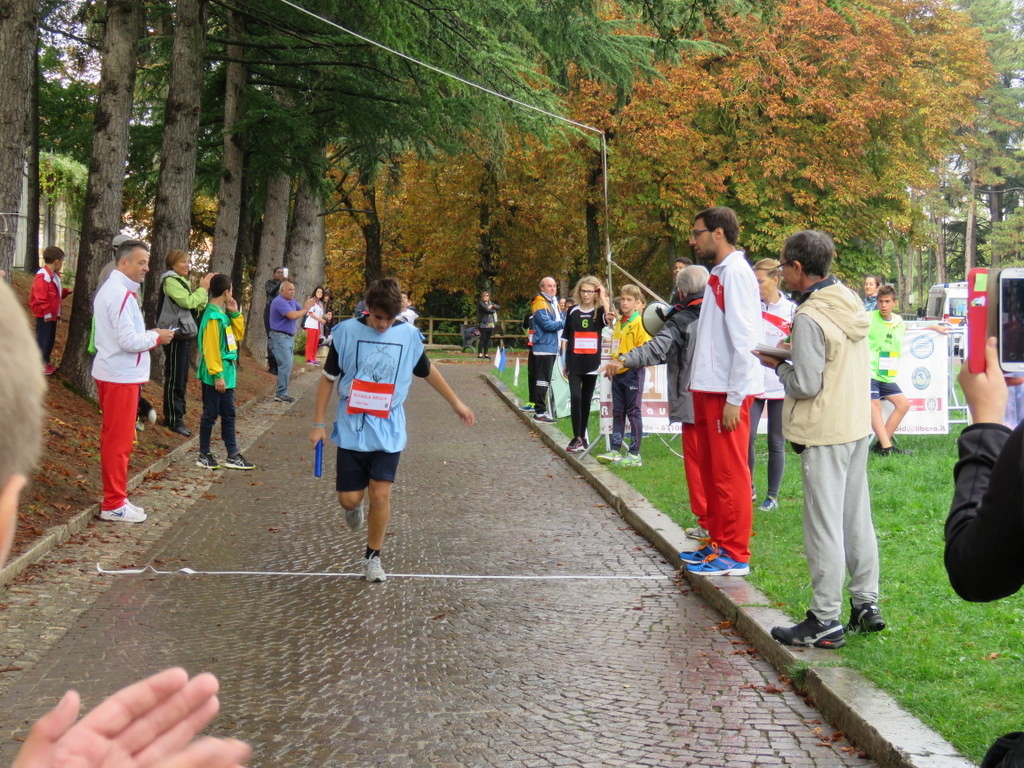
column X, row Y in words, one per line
column 285, row 312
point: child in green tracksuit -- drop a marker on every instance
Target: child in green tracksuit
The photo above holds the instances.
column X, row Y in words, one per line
column 220, row 329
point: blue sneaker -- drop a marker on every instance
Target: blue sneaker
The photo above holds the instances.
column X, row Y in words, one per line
column 527, row 407
column 694, row 556
column 719, row 564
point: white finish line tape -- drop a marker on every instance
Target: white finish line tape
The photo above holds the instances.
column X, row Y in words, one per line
column 151, row 571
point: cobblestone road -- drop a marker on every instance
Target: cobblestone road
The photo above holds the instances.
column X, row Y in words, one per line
column 333, row 671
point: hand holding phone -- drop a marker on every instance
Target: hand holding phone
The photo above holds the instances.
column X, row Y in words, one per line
column 1011, row 320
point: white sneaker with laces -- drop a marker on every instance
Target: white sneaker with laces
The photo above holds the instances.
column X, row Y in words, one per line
column 356, row 517
column 373, row 570
column 138, row 509
column 126, row 513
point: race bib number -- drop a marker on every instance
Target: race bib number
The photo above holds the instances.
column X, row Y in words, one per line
column 889, row 364
column 232, row 344
column 585, row 343
column 370, row 397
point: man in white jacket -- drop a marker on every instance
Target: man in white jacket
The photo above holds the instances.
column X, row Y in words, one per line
column 120, row 368
column 725, row 376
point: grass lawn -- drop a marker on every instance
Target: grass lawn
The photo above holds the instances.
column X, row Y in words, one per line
column 956, row 665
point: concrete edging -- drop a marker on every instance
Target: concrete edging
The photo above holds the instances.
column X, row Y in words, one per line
column 870, row 718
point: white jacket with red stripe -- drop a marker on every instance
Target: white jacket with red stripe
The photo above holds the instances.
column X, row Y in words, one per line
column 728, row 330
column 122, row 341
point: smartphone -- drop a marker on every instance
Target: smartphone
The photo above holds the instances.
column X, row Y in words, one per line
column 1011, row 320
column 284, row 271
column 977, row 318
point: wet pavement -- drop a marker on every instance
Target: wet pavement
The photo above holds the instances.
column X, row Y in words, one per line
column 608, row 659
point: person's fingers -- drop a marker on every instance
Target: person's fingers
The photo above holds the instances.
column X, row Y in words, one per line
column 35, row 752
column 171, row 740
column 992, row 357
column 120, row 710
column 209, row 753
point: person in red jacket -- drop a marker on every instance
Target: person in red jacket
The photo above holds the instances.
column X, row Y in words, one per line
column 44, row 301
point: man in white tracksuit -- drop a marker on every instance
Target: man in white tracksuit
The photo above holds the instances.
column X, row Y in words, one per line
column 120, row 368
column 725, row 377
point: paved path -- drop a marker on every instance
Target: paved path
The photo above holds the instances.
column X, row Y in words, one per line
column 333, row 671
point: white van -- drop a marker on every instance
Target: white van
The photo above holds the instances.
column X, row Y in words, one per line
column 947, row 301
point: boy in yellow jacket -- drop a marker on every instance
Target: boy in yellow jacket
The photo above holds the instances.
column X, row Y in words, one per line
column 627, row 383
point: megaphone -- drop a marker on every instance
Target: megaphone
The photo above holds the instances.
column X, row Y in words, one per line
column 653, row 318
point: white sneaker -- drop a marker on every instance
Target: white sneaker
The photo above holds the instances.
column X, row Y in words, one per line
column 138, row 509
column 374, row 570
column 356, row 517
column 126, row 513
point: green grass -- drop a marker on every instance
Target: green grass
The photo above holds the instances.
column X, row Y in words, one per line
column 955, row 665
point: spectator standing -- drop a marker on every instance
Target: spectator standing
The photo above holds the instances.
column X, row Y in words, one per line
column 408, row 313
column 486, row 320
column 985, row 527
column 871, row 285
column 582, row 333
column 674, row 344
column 221, row 329
column 546, row 323
column 285, row 312
column 272, row 287
column 375, row 358
column 725, row 377
column 45, row 300
column 776, row 324
column 177, row 308
column 313, row 323
column 678, row 266
column 827, row 417
column 627, row 383
column 120, row 368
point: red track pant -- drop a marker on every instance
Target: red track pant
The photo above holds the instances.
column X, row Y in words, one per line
column 312, row 339
column 722, row 457
column 120, row 405
column 694, row 481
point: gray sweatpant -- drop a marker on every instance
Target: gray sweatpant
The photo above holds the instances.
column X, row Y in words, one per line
column 839, row 536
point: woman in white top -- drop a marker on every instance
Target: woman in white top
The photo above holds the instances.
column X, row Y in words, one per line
column 312, row 324
column 776, row 319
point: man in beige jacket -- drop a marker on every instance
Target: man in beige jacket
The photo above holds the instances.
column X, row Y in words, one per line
column 827, row 419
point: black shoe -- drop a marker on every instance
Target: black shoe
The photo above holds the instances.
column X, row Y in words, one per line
column 284, row 399
column 182, row 430
column 810, row 632
column 207, row 461
column 892, row 450
column 865, row 617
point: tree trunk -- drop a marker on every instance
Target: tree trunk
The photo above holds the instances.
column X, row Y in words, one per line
column 971, row 234
column 487, row 249
column 32, row 169
column 940, row 249
column 172, row 210
column 103, row 195
column 229, row 197
column 18, row 22
column 371, row 229
column 995, row 211
column 271, row 256
column 595, row 196
column 244, row 249
column 305, row 256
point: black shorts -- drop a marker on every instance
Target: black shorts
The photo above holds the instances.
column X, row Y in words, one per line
column 883, row 389
column 356, row 468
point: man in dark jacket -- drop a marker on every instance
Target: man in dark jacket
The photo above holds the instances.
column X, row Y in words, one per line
column 272, row 287
column 674, row 345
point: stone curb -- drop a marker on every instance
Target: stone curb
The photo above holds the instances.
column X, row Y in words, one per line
column 869, row 717
column 58, row 534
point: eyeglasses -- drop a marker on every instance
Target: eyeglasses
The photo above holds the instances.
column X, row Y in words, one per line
column 698, row 232
column 584, row 290
column 786, row 263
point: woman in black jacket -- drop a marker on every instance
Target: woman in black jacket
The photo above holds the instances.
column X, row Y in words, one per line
column 486, row 319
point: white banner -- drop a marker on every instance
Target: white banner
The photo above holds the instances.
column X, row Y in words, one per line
column 655, row 397
column 924, row 378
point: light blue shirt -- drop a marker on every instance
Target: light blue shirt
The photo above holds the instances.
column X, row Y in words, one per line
column 382, row 362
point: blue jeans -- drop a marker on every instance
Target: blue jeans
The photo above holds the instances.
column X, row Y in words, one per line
column 282, row 346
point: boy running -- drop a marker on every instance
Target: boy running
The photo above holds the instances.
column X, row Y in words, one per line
column 371, row 361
